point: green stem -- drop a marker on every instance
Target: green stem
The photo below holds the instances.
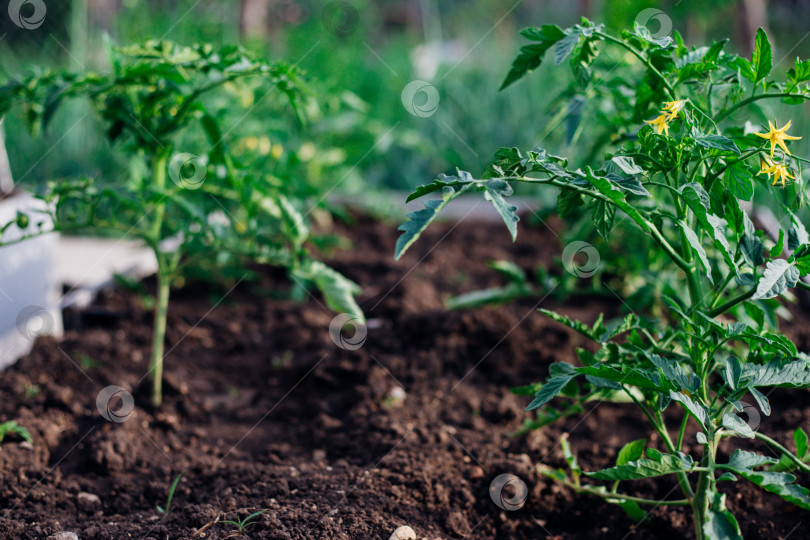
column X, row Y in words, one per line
column 705, row 486
column 693, row 280
column 164, row 279
column 159, row 336
column 682, row 431
column 652, row 229
column 722, row 289
column 752, row 99
column 731, row 303
column 661, row 427
column 792, row 457
column 618, row 497
column 658, row 424
column 710, row 178
column 637, row 54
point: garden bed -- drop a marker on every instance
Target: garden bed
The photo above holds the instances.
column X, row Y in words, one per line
column 263, row 411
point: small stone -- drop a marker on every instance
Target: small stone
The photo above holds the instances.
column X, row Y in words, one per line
column 319, row 455
column 64, row 535
column 397, row 395
column 88, row 501
column 403, row 533
column 477, row 473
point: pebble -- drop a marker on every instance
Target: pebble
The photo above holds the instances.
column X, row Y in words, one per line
column 403, row 533
column 397, row 394
column 63, row 536
column 90, row 498
column 88, row 501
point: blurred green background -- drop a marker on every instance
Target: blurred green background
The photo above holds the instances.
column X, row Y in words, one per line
column 359, row 57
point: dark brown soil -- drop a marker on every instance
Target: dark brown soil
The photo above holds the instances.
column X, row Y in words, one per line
column 264, row 412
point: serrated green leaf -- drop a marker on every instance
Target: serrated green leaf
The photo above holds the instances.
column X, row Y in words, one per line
column 675, row 373
column 739, row 181
column 720, row 524
column 778, row 277
column 633, row 511
column 547, row 32
column 628, row 323
column 762, row 401
column 732, row 372
column 491, row 296
column 645, row 468
column 593, row 333
column 337, row 290
column 628, row 376
column 779, row 483
column 602, row 217
column 615, row 194
column 802, row 443
column 801, row 258
column 745, row 67
column 495, row 192
column 418, row 221
column 799, row 73
column 713, row 53
column 631, row 451
column 762, row 58
column 531, row 56
column 694, row 241
column 776, row 251
column 717, row 142
column 427, row 189
column 510, row 270
column 797, row 234
column 745, row 460
column 564, row 47
column 734, row 423
column 552, row 387
column 630, row 184
column 293, row 222
column 694, row 408
column 699, row 202
column 750, row 244
column 795, row 374
column 569, row 203
column 627, row 165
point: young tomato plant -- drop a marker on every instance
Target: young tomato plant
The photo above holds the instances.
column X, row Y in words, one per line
column 183, row 195
column 678, row 179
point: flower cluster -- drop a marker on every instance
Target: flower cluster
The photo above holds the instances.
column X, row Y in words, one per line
column 669, row 113
column 776, row 137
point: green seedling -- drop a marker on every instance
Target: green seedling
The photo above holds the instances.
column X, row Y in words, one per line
column 168, row 508
column 242, row 524
column 12, row 427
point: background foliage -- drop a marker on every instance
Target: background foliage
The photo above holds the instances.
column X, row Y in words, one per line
column 362, row 132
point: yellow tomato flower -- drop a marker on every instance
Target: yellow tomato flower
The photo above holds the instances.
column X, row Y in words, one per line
column 779, row 171
column 767, row 165
column 778, row 136
column 659, row 124
column 673, row 108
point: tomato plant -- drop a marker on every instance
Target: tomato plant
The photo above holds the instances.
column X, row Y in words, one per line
column 184, row 194
column 683, row 160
